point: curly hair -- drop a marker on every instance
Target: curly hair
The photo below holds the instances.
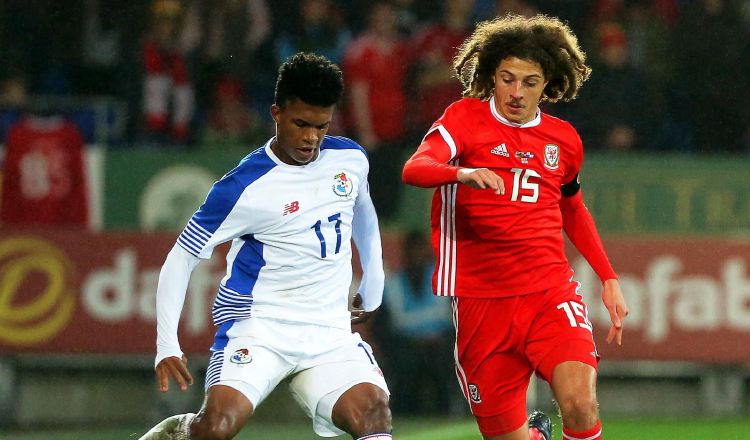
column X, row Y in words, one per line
column 542, row 39
column 311, row 78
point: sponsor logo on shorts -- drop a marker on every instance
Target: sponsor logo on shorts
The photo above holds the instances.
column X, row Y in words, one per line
column 241, row 356
column 474, row 393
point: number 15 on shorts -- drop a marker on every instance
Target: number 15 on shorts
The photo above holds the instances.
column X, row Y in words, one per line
column 576, row 313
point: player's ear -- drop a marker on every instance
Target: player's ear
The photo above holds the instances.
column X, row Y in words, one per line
column 275, row 112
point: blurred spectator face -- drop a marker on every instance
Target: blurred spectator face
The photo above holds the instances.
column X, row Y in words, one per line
column 514, row 7
column 229, row 91
column 164, row 29
column 383, row 19
column 519, row 85
column 165, row 14
column 613, row 46
column 713, row 7
column 459, row 8
column 13, row 92
column 314, row 11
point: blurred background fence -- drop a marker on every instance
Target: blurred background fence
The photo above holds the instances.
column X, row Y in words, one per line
column 664, row 122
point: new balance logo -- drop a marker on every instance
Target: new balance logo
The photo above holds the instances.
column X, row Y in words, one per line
column 291, row 208
column 500, row 150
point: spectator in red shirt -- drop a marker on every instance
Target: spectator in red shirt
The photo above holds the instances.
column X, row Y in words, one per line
column 166, row 85
column 44, row 179
column 375, row 73
column 434, row 48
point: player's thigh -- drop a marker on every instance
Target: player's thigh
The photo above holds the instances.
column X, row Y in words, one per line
column 492, row 370
column 497, row 393
column 327, row 377
column 561, row 333
column 251, row 369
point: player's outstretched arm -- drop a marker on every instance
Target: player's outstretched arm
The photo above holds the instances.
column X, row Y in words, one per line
column 580, row 228
column 170, row 297
column 366, row 235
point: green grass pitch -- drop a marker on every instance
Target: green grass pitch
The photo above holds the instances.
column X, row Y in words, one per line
column 440, row 429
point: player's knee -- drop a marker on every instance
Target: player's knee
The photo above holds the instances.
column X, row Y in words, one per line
column 376, row 416
column 370, row 415
column 213, row 426
column 579, row 411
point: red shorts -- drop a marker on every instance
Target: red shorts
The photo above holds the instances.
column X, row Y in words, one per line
column 501, row 341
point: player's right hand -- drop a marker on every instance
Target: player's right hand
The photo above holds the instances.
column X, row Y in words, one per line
column 615, row 303
column 481, row 178
column 175, row 368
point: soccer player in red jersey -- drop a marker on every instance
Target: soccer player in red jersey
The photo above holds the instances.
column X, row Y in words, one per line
column 507, row 186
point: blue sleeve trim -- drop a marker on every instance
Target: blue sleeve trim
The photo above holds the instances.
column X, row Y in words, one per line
column 222, row 199
column 341, row 143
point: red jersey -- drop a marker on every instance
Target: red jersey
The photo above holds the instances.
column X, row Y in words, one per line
column 44, row 181
column 490, row 245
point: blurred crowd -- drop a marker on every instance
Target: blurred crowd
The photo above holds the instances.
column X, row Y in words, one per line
column 668, row 75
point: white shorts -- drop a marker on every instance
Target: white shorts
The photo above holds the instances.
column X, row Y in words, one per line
column 324, row 361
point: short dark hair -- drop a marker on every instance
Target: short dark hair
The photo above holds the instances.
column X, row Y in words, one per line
column 311, row 78
column 545, row 40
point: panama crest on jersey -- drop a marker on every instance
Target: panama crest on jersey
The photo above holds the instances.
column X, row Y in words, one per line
column 551, row 156
column 342, row 186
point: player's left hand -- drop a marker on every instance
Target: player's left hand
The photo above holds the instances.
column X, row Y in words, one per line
column 358, row 315
column 617, row 308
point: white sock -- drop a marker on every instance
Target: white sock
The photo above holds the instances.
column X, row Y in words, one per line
column 378, row 436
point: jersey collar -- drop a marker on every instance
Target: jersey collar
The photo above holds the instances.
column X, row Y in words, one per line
column 272, row 155
column 532, row 123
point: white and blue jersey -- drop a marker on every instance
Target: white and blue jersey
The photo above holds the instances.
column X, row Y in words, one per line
column 291, row 229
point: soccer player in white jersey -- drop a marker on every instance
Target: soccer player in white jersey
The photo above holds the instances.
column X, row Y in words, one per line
column 290, row 209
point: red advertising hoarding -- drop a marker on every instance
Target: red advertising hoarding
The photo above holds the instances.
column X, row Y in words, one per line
column 78, row 292
column 689, row 299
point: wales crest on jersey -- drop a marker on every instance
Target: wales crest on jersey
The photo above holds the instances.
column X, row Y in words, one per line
column 551, row 156
column 342, row 186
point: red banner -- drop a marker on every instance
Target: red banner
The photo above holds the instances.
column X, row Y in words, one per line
column 689, row 299
column 79, row 292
